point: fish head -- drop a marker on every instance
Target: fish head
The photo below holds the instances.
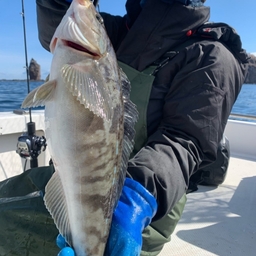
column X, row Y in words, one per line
column 84, row 62
column 81, row 30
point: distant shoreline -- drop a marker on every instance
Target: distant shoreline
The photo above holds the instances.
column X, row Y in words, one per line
column 20, row 80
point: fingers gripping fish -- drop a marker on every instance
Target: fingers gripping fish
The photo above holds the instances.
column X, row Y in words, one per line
column 89, row 123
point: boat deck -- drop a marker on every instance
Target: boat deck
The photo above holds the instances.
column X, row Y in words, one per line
column 219, row 221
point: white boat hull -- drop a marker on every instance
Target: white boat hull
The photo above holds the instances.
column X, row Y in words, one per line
column 11, row 127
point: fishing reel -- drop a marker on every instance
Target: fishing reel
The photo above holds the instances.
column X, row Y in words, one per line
column 29, row 145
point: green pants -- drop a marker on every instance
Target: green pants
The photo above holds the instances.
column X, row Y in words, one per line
column 26, row 228
column 159, row 232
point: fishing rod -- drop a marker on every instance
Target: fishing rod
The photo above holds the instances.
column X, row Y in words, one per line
column 26, row 52
column 97, row 4
column 29, row 144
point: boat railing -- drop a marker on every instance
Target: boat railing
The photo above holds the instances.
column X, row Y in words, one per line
column 240, row 130
column 242, row 117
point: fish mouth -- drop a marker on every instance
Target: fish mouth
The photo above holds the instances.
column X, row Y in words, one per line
column 81, row 48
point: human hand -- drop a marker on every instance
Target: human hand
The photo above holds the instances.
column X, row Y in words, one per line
column 65, row 249
column 135, row 210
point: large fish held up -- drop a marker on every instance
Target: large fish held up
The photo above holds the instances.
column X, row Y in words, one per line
column 89, row 121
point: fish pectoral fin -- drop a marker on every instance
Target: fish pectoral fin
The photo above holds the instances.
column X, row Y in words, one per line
column 88, row 88
column 40, row 95
column 56, row 204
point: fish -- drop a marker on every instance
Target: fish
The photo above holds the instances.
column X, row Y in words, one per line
column 89, row 127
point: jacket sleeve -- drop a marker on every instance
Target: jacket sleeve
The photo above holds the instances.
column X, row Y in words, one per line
column 50, row 14
column 205, row 81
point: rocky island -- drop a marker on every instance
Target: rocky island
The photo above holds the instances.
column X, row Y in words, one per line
column 251, row 76
column 34, row 70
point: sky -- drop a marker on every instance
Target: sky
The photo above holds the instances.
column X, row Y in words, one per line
column 239, row 14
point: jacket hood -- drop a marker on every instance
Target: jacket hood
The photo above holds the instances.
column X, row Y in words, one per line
column 157, row 28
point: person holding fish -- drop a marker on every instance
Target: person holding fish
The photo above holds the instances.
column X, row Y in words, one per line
column 185, row 75
column 184, row 99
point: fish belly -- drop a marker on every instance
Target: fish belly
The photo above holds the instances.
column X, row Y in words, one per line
column 86, row 152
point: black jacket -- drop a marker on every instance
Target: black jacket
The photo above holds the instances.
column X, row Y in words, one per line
column 192, row 96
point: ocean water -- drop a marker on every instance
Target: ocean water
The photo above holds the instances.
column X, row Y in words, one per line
column 12, row 94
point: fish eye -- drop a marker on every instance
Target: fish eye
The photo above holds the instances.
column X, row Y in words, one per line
column 99, row 18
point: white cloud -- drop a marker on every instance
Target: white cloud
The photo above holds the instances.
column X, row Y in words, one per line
column 253, row 53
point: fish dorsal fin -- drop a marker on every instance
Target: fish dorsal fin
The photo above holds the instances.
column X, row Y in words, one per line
column 130, row 118
column 40, row 95
column 88, row 88
column 56, row 204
